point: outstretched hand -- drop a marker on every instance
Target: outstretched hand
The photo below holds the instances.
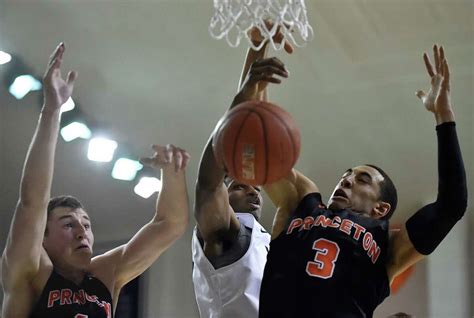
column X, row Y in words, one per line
column 57, row 90
column 261, row 73
column 168, row 156
column 438, row 99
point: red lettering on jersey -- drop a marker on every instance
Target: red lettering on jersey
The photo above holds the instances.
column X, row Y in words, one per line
column 322, row 221
column 66, row 296
column 359, row 230
column 107, row 309
column 346, row 226
column 374, row 252
column 294, row 224
column 53, row 296
column 79, row 297
column 92, row 299
column 367, row 240
column 308, row 223
column 335, row 222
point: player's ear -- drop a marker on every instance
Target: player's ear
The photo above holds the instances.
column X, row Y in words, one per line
column 381, row 209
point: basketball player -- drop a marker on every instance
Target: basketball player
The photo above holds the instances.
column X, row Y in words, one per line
column 339, row 261
column 47, row 269
column 229, row 246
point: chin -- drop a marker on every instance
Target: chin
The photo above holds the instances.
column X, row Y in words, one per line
column 334, row 206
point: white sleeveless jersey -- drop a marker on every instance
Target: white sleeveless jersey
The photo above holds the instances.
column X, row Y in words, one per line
column 231, row 291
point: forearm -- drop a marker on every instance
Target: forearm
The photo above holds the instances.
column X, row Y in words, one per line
column 211, row 173
column 172, row 205
column 250, row 58
column 430, row 225
column 39, row 164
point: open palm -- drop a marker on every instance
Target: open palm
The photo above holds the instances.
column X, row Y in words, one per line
column 437, row 100
column 57, row 90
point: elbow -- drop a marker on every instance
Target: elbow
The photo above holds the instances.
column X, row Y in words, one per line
column 456, row 204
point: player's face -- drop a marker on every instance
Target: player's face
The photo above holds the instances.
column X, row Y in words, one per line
column 69, row 238
column 359, row 190
column 245, row 198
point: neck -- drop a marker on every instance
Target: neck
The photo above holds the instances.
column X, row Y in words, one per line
column 74, row 275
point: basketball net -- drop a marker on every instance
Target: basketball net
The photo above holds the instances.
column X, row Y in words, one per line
column 233, row 20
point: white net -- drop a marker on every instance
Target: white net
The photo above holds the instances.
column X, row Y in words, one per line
column 233, row 19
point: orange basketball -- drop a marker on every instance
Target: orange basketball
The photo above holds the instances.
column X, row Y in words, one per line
column 258, row 142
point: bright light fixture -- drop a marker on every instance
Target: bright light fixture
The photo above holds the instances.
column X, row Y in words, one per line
column 147, row 186
column 5, row 57
column 24, row 84
column 126, row 169
column 75, row 130
column 68, row 105
column 101, row 149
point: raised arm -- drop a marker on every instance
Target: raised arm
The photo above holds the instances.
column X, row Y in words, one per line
column 167, row 225
column 216, row 220
column 429, row 226
column 21, row 257
column 286, row 195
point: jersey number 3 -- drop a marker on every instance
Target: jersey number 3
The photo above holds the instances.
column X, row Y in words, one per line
column 324, row 260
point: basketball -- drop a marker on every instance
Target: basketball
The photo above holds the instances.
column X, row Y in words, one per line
column 257, row 142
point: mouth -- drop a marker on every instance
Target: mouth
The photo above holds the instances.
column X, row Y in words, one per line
column 82, row 247
column 340, row 194
column 254, row 203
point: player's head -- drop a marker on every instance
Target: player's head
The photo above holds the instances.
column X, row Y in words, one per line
column 366, row 189
column 244, row 198
column 68, row 238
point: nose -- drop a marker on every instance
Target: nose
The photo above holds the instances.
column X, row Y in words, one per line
column 251, row 191
column 346, row 182
column 80, row 232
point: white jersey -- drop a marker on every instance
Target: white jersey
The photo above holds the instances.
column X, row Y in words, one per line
column 231, row 291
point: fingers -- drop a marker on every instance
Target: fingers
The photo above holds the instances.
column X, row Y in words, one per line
column 57, row 53
column 181, row 158
column 146, row 161
column 421, row 95
column 168, row 155
column 256, row 34
column 71, row 77
column 437, row 59
column 55, row 60
column 445, row 83
column 288, row 47
column 265, row 69
column 429, row 66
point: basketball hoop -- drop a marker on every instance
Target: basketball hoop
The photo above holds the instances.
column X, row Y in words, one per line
column 233, row 19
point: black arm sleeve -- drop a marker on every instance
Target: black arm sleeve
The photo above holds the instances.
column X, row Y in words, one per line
column 430, row 225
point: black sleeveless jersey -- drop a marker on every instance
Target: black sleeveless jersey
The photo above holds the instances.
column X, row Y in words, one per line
column 325, row 264
column 61, row 298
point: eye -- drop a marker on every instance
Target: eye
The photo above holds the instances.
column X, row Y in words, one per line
column 364, row 180
column 68, row 225
column 87, row 226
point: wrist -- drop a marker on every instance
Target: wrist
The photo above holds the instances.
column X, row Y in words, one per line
column 444, row 117
column 169, row 173
column 48, row 110
column 243, row 96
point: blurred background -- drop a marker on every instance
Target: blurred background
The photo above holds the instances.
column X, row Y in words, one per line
column 150, row 73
